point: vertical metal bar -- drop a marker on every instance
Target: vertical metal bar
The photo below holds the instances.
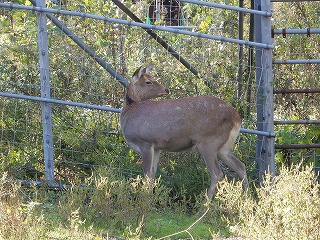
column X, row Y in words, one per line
column 269, row 143
column 265, row 145
column 258, row 38
column 250, row 61
column 158, row 9
column 45, row 93
column 240, row 50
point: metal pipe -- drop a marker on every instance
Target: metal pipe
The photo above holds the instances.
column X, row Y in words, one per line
column 56, row 101
column 297, row 146
column 137, row 24
column 46, row 110
column 196, row 27
column 103, row 108
column 265, row 155
column 261, row 133
column 297, row 61
column 283, row 122
column 285, row 31
column 294, row 0
column 305, row 90
column 239, row 9
column 240, row 50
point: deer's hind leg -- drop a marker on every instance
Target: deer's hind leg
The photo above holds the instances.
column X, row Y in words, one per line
column 226, row 156
column 235, row 164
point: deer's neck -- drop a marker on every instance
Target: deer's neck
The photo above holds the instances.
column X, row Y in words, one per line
column 129, row 100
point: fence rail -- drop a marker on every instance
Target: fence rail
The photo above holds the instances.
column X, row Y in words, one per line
column 57, row 101
column 233, row 8
column 136, row 24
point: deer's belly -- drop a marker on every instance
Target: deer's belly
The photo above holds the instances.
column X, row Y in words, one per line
column 175, row 145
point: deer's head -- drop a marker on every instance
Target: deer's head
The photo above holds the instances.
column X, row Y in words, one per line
column 143, row 86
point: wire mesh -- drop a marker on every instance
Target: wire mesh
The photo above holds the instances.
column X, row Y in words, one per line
column 85, row 138
column 303, row 77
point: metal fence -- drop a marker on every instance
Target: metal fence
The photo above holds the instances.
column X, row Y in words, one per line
column 73, row 108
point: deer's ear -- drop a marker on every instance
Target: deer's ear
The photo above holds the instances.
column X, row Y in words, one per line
column 148, row 68
column 137, row 74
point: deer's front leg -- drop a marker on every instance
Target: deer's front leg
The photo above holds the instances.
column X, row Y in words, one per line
column 149, row 160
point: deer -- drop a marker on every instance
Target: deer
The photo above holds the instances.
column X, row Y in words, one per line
column 206, row 123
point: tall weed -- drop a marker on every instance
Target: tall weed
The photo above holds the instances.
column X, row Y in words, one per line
column 18, row 218
column 285, row 207
column 112, row 201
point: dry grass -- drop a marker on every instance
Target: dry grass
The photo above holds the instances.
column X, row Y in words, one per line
column 286, row 207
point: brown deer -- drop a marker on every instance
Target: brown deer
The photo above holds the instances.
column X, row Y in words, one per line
column 205, row 122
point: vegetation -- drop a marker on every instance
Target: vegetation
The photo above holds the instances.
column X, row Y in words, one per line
column 110, row 205
column 105, row 195
column 84, row 138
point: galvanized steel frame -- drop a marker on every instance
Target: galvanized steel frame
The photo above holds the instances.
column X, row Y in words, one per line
column 264, row 45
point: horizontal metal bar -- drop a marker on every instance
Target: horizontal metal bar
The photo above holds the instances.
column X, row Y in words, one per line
column 297, row 61
column 137, row 24
column 304, row 90
column 195, row 27
column 98, row 107
column 294, row 0
column 267, row 134
column 239, row 9
column 284, row 122
column 297, row 146
column 56, row 101
column 285, row 31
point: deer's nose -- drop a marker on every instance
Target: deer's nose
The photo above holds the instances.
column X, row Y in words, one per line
column 167, row 90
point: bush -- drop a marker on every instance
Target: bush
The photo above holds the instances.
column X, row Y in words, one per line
column 110, row 200
column 109, row 204
column 17, row 217
column 285, row 207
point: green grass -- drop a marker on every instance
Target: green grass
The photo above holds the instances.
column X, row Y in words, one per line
column 110, row 205
column 166, row 224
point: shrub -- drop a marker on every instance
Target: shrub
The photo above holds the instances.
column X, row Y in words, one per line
column 110, row 200
column 285, row 207
column 18, row 219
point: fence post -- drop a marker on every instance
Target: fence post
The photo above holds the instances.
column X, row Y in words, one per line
column 45, row 93
column 265, row 153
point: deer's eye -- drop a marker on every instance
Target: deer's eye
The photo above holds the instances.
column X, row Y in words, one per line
column 148, row 82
